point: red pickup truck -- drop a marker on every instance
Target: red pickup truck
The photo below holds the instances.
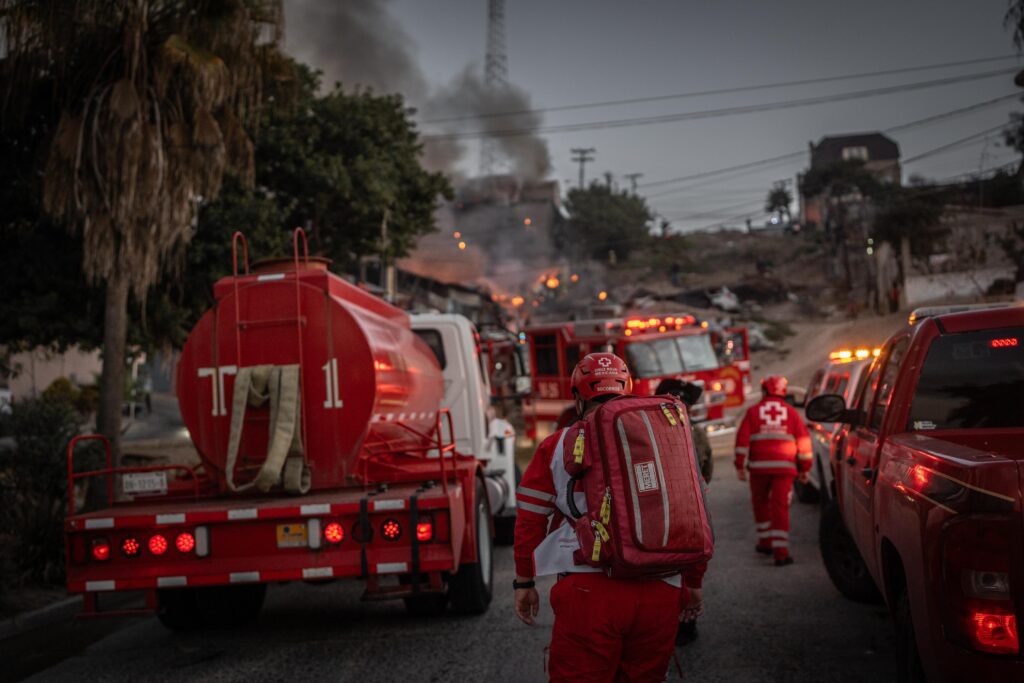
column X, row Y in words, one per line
column 929, row 466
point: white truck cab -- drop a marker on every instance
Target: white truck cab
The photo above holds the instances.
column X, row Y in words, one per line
column 467, row 393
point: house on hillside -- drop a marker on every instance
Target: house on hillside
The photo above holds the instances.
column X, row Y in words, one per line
column 880, row 154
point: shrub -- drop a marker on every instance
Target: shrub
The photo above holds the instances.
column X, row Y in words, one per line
column 33, row 486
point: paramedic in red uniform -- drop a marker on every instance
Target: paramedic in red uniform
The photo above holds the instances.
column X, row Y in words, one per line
column 774, row 445
column 605, row 629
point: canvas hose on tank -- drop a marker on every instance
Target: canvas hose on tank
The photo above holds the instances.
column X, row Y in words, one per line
column 284, row 464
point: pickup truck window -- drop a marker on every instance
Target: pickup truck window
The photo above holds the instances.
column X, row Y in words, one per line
column 887, row 382
column 433, row 340
column 972, row 380
column 697, row 353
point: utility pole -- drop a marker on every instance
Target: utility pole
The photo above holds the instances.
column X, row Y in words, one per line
column 582, row 155
column 632, row 178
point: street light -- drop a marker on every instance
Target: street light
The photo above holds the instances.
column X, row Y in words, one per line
column 462, row 245
column 552, row 282
column 602, row 295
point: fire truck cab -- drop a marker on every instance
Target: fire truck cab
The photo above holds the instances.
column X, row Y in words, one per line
column 655, row 348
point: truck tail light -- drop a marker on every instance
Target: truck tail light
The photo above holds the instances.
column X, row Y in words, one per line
column 185, row 542
column 100, row 549
column 391, row 529
column 979, row 609
column 334, row 533
column 130, row 547
column 157, row 544
column 424, row 530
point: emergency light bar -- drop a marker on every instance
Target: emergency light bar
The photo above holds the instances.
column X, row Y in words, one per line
column 850, row 355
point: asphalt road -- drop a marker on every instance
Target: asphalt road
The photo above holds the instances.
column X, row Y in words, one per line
column 763, row 624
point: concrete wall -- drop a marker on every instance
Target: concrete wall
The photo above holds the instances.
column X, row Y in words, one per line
column 960, row 286
column 37, row 369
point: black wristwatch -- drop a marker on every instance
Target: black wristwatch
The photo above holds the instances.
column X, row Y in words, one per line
column 523, row 584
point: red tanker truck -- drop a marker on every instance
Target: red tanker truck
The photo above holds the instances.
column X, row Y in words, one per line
column 928, row 470
column 337, row 438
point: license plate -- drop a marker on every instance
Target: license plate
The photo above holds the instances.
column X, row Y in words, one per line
column 292, row 535
column 144, row 483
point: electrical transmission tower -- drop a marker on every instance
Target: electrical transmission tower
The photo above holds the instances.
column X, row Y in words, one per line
column 581, row 155
column 632, row 178
column 495, row 74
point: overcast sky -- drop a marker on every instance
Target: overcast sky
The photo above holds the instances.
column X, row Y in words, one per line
column 577, row 51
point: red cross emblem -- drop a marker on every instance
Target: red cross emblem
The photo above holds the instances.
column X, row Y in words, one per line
column 772, row 415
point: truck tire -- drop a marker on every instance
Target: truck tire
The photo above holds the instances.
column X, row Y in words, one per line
column 842, row 560
column 505, row 525
column 908, row 659
column 470, row 589
column 426, row 605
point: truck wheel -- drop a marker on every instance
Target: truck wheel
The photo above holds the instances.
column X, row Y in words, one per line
column 426, row 605
column 842, row 560
column 178, row 609
column 470, row 589
column 908, row 660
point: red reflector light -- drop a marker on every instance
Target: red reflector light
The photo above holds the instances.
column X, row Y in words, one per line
column 100, row 550
column 334, row 533
column 994, row 632
column 391, row 529
column 424, row 531
column 185, row 542
column 158, row 544
column 1005, row 342
column 130, row 547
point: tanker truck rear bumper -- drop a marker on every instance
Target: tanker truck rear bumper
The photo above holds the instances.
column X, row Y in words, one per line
column 400, row 540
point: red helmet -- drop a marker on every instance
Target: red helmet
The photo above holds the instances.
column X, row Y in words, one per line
column 599, row 374
column 775, row 385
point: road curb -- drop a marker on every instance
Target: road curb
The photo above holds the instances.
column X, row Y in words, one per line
column 56, row 611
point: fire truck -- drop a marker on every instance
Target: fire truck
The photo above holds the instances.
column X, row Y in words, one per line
column 654, row 347
column 339, row 437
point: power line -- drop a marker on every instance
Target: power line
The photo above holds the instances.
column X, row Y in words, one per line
column 956, row 143
column 775, row 160
column 720, row 91
column 725, row 111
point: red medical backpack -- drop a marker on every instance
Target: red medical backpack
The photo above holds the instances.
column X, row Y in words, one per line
column 646, row 510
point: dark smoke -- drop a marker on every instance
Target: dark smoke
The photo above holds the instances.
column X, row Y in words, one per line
column 358, row 43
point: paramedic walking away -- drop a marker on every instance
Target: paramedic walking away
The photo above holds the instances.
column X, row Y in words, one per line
column 606, row 628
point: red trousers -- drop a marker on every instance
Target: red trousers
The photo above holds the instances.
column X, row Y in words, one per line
column 612, row 629
column 771, row 496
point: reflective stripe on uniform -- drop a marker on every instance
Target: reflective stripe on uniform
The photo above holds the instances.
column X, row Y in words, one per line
column 805, row 456
column 742, row 450
column 770, row 464
column 780, row 544
column 764, row 525
column 772, row 437
column 540, row 510
column 764, row 534
column 778, row 533
column 534, row 493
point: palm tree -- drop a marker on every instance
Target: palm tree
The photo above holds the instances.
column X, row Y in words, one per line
column 151, row 101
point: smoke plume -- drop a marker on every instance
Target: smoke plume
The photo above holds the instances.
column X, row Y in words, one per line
column 358, row 43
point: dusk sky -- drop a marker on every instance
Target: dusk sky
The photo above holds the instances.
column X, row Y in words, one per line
column 579, row 51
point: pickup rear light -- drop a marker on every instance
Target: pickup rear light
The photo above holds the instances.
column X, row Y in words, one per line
column 130, row 547
column 391, row 529
column 979, row 610
column 334, row 533
column 100, row 549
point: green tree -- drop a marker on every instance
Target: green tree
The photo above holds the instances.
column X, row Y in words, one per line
column 778, row 202
column 913, row 214
column 604, row 220
column 152, row 100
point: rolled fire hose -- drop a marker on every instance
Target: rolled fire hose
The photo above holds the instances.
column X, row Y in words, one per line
column 254, row 386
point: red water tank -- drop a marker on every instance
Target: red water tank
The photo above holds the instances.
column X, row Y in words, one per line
column 365, row 377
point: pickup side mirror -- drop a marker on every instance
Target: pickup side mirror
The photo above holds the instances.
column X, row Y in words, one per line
column 826, row 408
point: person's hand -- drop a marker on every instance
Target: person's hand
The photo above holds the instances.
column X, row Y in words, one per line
column 527, row 604
column 805, row 477
column 741, row 474
column 695, row 607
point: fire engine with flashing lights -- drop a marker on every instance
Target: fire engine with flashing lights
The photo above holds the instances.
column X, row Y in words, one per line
column 655, row 348
column 928, row 492
column 339, row 437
